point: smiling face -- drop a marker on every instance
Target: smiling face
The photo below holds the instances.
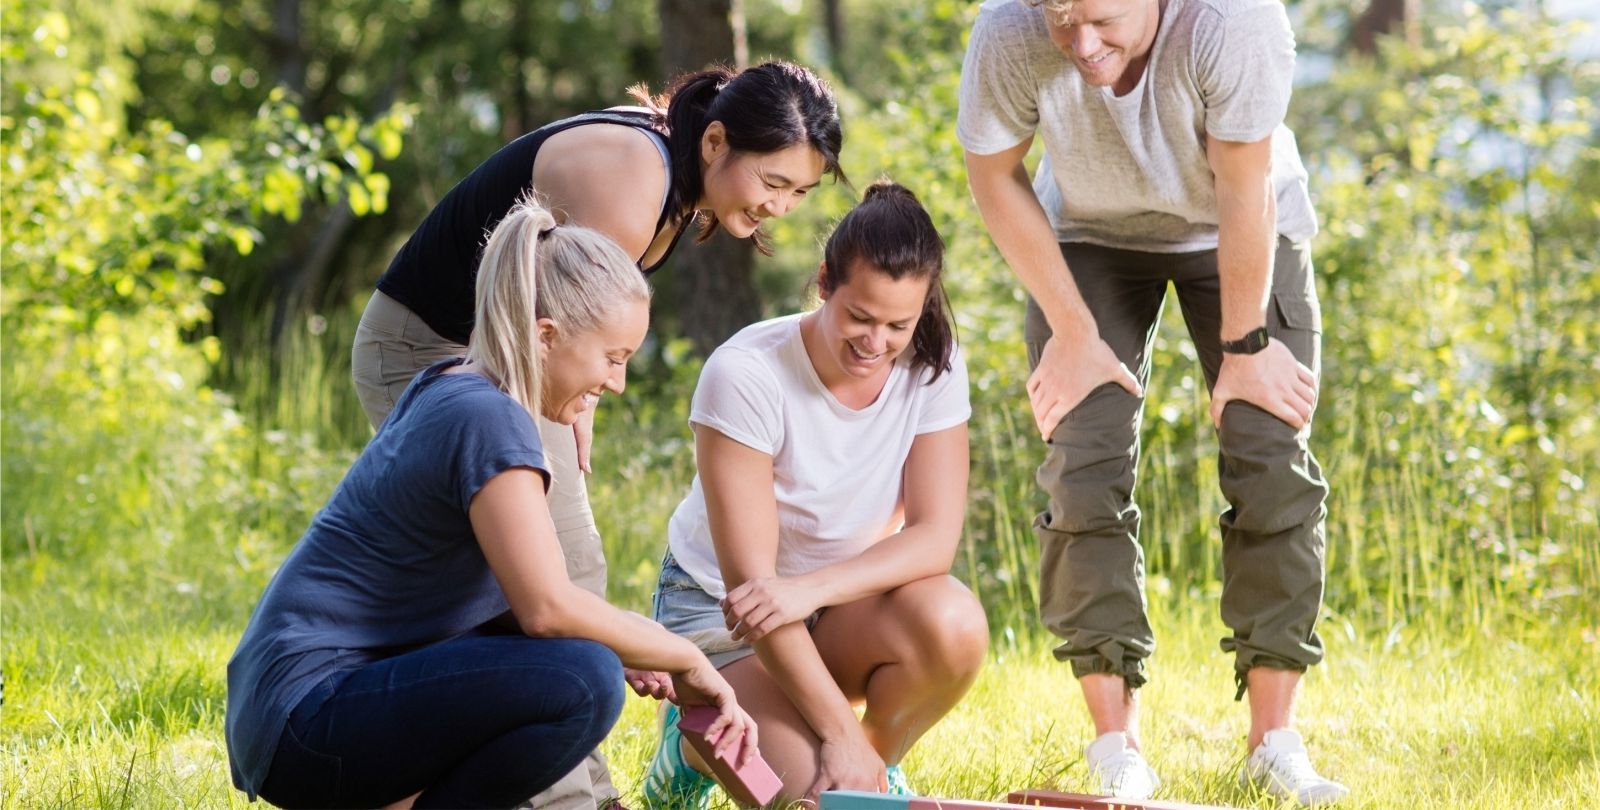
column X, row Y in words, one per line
column 743, row 188
column 1108, row 41
column 864, row 324
column 579, row 367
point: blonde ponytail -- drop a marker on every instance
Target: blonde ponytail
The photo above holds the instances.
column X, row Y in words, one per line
column 533, row 268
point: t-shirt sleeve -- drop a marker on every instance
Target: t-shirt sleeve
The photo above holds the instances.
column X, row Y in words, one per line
column 738, row 396
column 1244, row 65
column 998, row 102
column 494, row 435
column 947, row 403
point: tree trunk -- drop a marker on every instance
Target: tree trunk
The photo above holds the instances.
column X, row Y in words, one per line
column 1384, row 17
column 833, row 24
column 710, row 285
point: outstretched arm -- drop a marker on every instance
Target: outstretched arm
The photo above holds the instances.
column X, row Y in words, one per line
column 1075, row 360
column 511, row 521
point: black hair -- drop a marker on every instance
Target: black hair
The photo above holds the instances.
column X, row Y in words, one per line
column 764, row 109
column 890, row 232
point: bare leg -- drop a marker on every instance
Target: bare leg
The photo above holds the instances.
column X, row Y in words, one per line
column 1112, row 705
column 1272, row 696
column 909, row 654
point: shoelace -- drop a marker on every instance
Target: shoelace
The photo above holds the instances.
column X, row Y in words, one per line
column 1293, row 769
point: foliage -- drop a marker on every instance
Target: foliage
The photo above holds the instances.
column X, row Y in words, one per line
column 1459, row 190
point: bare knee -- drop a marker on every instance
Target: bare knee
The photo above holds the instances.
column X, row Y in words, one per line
column 945, row 627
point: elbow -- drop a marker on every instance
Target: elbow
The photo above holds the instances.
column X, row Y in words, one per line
column 548, row 618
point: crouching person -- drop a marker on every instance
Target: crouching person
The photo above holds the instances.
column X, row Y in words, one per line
column 811, row 559
column 422, row 642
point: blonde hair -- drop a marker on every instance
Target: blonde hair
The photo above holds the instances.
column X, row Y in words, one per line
column 533, row 268
column 1058, row 9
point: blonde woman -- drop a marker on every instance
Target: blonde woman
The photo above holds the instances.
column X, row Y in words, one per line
column 423, row 641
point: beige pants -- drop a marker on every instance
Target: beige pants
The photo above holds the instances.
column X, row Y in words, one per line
column 392, row 345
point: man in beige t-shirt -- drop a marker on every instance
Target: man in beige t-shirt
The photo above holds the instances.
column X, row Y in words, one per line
column 1166, row 163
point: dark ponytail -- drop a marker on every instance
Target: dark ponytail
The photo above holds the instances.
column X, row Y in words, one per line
column 891, row 232
column 764, row 109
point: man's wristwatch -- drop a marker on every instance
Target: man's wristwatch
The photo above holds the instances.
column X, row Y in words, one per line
column 1253, row 341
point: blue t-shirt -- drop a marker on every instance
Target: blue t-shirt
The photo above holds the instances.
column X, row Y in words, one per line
column 389, row 565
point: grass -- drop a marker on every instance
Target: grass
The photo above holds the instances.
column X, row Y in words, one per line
column 142, row 521
column 117, row 695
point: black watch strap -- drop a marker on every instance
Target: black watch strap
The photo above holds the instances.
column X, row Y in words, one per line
column 1253, row 341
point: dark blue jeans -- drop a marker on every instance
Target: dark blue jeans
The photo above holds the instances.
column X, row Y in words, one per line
column 478, row 721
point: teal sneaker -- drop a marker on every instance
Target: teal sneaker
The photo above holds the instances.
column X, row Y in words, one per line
column 898, row 786
column 670, row 783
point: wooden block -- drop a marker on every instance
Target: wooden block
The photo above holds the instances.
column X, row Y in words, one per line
column 754, row 784
column 861, row 800
column 1080, row 801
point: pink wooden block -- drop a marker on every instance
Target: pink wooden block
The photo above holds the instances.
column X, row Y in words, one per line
column 754, row 784
column 1080, row 801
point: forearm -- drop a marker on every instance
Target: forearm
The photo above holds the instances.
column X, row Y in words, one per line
column 913, row 553
column 639, row 642
column 791, row 658
column 1246, row 237
column 1021, row 231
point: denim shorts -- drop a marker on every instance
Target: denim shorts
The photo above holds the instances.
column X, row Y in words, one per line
column 684, row 608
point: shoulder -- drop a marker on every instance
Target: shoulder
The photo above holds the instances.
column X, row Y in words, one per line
column 1010, row 21
column 1216, row 19
column 757, row 347
column 469, row 405
column 610, row 177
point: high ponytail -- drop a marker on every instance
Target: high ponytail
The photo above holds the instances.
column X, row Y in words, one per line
column 533, row 268
column 892, row 233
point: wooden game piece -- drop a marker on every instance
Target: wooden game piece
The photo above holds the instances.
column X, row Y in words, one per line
column 753, row 784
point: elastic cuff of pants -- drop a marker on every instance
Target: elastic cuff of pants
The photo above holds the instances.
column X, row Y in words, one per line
column 1241, row 671
column 1131, row 670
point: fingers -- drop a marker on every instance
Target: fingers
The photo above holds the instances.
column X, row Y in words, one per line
column 1128, row 382
column 583, row 435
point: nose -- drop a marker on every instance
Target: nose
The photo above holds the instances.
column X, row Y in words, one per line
column 782, row 202
column 617, row 381
column 877, row 339
column 1085, row 40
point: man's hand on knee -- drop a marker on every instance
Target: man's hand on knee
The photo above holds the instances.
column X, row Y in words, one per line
column 1068, row 370
column 1272, row 380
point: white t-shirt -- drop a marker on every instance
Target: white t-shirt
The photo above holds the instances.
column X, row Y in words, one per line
column 1131, row 172
column 837, row 471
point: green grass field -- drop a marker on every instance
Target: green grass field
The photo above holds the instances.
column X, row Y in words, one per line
column 142, row 521
column 116, row 697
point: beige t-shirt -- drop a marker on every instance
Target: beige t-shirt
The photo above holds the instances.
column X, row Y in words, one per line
column 1131, row 172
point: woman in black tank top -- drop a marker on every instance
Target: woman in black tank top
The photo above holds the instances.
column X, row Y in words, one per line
column 727, row 149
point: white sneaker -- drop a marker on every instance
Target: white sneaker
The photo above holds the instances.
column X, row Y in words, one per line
column 1118, row 770
column 1281, row 768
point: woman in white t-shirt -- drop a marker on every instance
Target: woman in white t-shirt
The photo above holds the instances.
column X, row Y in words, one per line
column 811, row 559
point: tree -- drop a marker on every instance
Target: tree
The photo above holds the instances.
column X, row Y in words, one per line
column 711, row 286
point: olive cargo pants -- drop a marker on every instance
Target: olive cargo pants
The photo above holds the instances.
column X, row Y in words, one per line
column 1092, row 566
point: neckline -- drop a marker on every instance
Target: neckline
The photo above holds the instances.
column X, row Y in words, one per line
column 803, row 357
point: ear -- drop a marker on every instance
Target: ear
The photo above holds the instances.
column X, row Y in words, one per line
column 822, row 281
column 714, row 143
column 549, row 335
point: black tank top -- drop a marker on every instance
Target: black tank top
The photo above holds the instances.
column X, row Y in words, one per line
column 435, row 272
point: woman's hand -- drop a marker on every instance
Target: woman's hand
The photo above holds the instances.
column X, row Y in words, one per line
column 849, row 763
column 760, row 606
column 646, row 683
column 702, row 685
